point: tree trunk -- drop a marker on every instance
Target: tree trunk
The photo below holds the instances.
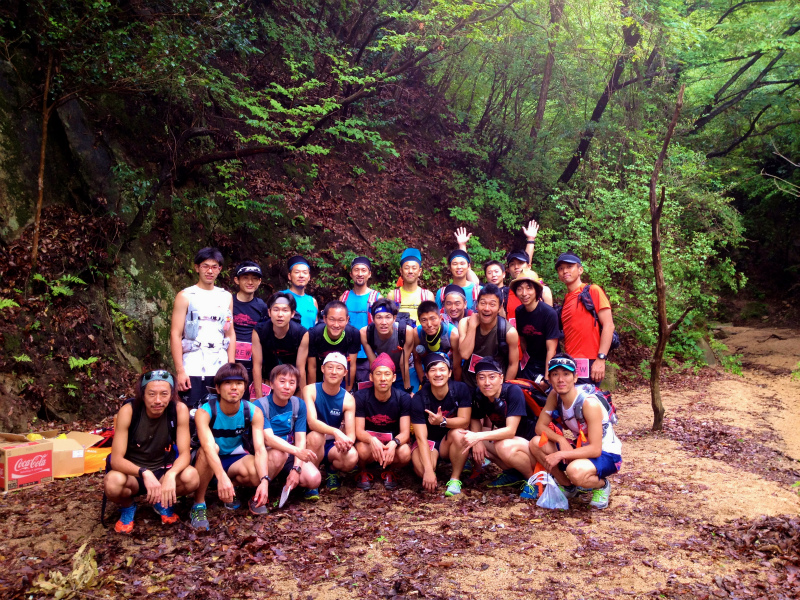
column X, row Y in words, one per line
column 665, row 329
column 37, row 219
column 556, row 10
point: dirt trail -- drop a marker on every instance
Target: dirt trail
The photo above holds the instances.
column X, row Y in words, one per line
column 729, row 451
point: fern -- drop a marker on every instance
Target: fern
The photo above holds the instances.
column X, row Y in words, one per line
column 79, row 363
column 23, row 358
column 6, row 303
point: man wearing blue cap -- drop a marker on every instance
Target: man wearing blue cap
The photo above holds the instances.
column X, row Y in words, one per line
column 410, row 295
column 359, row 303
column 299, row 277
column 596, row 453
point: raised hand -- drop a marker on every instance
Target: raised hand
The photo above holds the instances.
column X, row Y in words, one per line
column 531, row 231
column 462, row 237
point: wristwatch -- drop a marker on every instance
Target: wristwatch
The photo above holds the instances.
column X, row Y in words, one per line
column 396, row 441
column 444, row 422
column 601, row 356
column 409, row 389
column 298, row 469
column 267, row 477
column 141, row 471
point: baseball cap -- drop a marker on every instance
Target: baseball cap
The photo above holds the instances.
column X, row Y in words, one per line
column 336, row 357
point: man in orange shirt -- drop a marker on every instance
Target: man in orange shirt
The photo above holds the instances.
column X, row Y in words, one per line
column 586, row 339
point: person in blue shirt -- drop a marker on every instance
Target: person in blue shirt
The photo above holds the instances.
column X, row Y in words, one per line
column 359, row 303
column 299, row 277
column 228, row 450
column 285, row 432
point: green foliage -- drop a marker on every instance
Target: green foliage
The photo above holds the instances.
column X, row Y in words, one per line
column 58, row 287
column 487, row 195
column 76, row 362
column 732, row 363
column 6, row 303
column 23, row 358
column 122, row 322
column 796, row 372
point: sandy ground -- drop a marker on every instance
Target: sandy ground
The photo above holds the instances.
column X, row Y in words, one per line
column 487, row 544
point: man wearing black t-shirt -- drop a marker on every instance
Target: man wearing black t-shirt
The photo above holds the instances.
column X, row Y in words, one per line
column 537, row 326
column 277, row 341
column 440, row 407
column 334, row 334
column 383, row 425
column 510, row 430
column 248, row 311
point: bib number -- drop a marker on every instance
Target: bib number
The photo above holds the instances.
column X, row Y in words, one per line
column 583, row 367
column 474, row 360
column 244, row 351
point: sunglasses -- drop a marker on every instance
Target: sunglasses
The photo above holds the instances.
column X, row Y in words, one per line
column 160, row 375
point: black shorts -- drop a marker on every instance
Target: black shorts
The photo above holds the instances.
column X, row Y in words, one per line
column 159, row 473
column 192, row 397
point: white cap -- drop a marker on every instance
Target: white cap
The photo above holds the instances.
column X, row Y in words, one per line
column 336, row 357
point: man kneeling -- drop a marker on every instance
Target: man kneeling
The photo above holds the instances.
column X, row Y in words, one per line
column 597, row 452
column 448, row 405
column 285, row 431
column 383, row 425
column 153, row 421
column 510, row 427
column 231, row 434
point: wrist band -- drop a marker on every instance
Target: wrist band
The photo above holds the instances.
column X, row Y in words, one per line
column 531, row 242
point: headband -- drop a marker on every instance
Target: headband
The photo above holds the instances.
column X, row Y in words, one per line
column 297, row 260
column 361, row 260
column 564, row 363
column 454, row 289
column 233, row 378
column 488, row 364
column 381, row 308
column 434, row 358
column 458, row 254
column 336, row 357
column 254, row 269
column 383, row 360
column 160, row 375
column 282, row 300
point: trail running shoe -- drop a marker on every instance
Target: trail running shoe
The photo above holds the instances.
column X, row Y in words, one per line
column 257, row 510
column 168, row 516
column 570, row 491
column 600, row 496
column 509, row 477
column 199, row 517
column 364, row 480
column 235, row 504
column 311, row 494
column 529, row 492
column 468, row 467
column 125, row 523
column 333, row 482
column 453, row 488
column 389, row 482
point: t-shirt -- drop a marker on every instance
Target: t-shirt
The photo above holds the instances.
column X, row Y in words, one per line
column 358, row 308
column 511, row 403
column 469, row 292
column 581, row 333
column 409, row 301
column 306, row 309
column 246, row 315
column 319, row 347
column 458, row 396
column 278, row 351
column 280, row 417
column 383, row 417
column 537, row 326
column 227, row 445
column 511, row 306
column 486, row 344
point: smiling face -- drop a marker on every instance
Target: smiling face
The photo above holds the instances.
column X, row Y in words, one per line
column 156, row 397
column 459, row 267
column 488, row 308
column 526, row 292
column 382, row 378
column 208, row 270
column 439, row 374
column 495, row 275
column 454, row 306
column 248, row 283
column 430, row 322
column 335, row 320
column 231, row 391
column 489, row 383
column 410, row 272
column 562, row 380
column 569, row 273
column 360, row 275
column 299, row 276
column 333, row 372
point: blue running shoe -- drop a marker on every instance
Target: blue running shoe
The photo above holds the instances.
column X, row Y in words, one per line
column 168, row 516
column 508, row 478
column 125, row 523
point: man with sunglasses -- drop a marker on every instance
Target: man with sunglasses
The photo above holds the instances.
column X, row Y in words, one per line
column 202, row 337
column 143, row 457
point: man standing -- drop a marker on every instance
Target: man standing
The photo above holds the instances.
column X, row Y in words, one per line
column 285, row 432
column 201, row 336
column 459, row 262
column 455, row 304
column 488, row 335
column 433, row 335
column 359, row 303
column 331, row 421
column 140, row 465
column 383, row 425
column 231, row 434
column 334, row 334
column 587, row 336
column 506, row 441
column 299, row 277
column 537, row 325
column 248, row 311
column 277, row 341
column 410, row 295
column 597, row 451
column 383, row 335
column 447, row 406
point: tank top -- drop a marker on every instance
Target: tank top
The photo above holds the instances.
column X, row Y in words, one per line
column 443, row 343
column 329, row 408
column 210, row 309
column 611, row 443
column 390, row 346
column 358, row 310
column 410, row 301
column 148, row 445
column 485, row 345
column 306, row 309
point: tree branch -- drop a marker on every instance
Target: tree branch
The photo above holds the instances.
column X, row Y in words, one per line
column 741, row 138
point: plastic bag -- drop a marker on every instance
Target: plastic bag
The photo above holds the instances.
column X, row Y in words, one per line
column 552, row 497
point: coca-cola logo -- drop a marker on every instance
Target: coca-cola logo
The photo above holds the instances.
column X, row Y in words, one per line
column 29, row 464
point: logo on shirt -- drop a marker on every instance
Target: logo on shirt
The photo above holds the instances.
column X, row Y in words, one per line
column 381, row 419
column 335, row 412
column 531, row 330
column 244, row 320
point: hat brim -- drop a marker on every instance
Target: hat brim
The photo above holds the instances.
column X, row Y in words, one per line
column 515, row 284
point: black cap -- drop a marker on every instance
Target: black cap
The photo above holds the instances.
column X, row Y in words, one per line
column 452, row 288
column 568, row 257
column 517, row 255
column 458, row 254
column 487, row 363
column 436, row 357
column 361, row 260
column 249, row 270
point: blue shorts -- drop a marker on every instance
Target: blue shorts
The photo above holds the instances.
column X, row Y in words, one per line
column 228, row 459
column 328, row 446
column 606, row 464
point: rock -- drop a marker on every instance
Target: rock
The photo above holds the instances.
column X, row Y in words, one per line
column 708, row 353
column 610, row 381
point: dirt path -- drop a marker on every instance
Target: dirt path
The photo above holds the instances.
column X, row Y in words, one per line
column 729, row 451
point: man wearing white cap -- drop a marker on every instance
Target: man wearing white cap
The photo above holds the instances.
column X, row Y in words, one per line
column 330, row 415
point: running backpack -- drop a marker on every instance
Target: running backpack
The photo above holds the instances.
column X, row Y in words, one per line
column 401, row 322
column 295, row 410
column 535, row 398
column 475, row 292
column 246, row 433
column 584, row 391
column 398, row 300
column 585, row 298
column 373, row 297
column 502, row 328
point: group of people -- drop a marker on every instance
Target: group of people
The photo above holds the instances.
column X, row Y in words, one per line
column 280, row 391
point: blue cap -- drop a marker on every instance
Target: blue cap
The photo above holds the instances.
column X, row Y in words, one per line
column 562, row 362
column 297, row 260
column 458, row 254
column 411, row 254
column 568, row 257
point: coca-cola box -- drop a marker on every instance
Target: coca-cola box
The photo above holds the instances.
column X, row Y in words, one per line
column 23, row 463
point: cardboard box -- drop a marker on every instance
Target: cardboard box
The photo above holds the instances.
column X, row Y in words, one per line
column 69, row 453
column 24, row 463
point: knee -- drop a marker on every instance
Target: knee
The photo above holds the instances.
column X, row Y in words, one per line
column 580, row 474
column 311, row 477
column 403, row 455
column 190, row 479
column 114, row 483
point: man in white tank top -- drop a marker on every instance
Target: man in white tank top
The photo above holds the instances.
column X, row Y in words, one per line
column 202, row 337
column 583, row 464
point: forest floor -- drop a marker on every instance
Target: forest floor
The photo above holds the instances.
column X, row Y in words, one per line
column 703, row 509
